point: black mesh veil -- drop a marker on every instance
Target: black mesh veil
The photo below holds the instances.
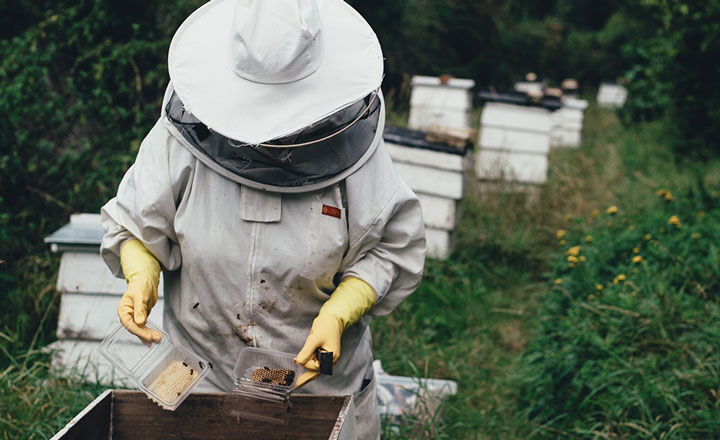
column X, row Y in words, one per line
column 287, row 166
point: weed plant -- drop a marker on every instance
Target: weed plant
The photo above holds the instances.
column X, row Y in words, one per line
column 626, row 344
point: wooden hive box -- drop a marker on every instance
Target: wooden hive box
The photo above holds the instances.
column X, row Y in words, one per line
column 437, row 173
column 88, row 302
column 443, row 102
column 118, row 415
column 611, row 95
column 567, row 123
column 513, row 143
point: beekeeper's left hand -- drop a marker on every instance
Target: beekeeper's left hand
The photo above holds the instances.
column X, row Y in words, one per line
column 351, row 299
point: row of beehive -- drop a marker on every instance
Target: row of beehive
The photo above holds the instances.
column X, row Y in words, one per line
column 513, row 145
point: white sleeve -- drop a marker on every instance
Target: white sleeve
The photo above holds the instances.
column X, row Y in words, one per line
column 146, row 201
column 387, row 234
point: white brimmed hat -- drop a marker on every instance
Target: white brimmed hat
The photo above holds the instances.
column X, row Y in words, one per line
column 257, row 70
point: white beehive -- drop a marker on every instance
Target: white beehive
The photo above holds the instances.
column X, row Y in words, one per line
column 611, row 95
column 88, row 302
column 533, row 88
column 437, row 102
column 567, row 123
column 513, row 143
column 437, row 174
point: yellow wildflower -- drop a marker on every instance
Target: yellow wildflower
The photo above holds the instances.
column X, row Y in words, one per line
column 571, row 265
column 582, row 258
column 695, row 236
column 647, row 237
column 595, row 212
column 661, row 192
column 568, row 217
column 636, row 250
column 619, row 278
column 637, row 259
column 591, row 297
column 631, row 228
column 599, row 287
column 560, row 234
column 588, row 239
column 668, row 197
column 612, row 210
column 575, row 250
column 563, row 242
column 572, row 259
column 558, row 281
column 674, row 221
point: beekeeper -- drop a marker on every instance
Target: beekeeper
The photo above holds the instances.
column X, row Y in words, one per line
column 266, row 197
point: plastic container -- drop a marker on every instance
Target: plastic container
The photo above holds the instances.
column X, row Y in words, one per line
column 264, row 380
column 164, row 372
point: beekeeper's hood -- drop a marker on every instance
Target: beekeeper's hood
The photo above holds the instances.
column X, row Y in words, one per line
column 281, row 95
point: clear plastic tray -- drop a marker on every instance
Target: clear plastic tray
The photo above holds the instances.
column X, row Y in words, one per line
column 165, row 372
column 264, row 380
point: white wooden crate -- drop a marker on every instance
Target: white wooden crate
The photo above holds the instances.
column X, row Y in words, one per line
column 511, row 166
column 514, row 139
column 514, row 142
column 611, row 95
column 525, row 118
column 433, row 102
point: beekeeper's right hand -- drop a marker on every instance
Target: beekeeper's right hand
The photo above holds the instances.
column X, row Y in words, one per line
column 142, row 273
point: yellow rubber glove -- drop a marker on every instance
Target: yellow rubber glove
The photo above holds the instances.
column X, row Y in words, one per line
column 351, row 299
column 142, row 273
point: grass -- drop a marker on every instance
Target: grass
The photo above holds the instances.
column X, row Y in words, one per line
column 478, row 318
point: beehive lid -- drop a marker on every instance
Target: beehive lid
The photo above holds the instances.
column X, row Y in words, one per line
column 520, row 98
column 84, row 233
column 417, row 139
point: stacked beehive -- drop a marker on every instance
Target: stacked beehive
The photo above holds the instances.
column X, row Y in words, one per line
column 567, row 123
column 88, row 302
column 441, row 101
column 514, row 139
column 437, row 174
column 611, row 95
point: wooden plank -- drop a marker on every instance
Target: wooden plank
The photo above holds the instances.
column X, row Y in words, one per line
column 202, row 417
column 527, row 118
column 84, row 272
column 433, row 181
column 440, row 212
column 422, row 117
column 427, row 158
column 93, row 316
column 508, row 166
column 511, row 139
column 92, row 423
column 440, row 243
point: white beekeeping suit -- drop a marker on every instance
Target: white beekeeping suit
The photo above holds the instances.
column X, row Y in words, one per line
column 253, row 239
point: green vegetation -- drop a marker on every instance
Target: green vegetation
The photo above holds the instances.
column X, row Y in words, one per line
column 540, row 358
column 81, row 84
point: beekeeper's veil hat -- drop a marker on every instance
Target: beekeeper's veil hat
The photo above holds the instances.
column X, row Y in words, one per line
column 265, row 73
